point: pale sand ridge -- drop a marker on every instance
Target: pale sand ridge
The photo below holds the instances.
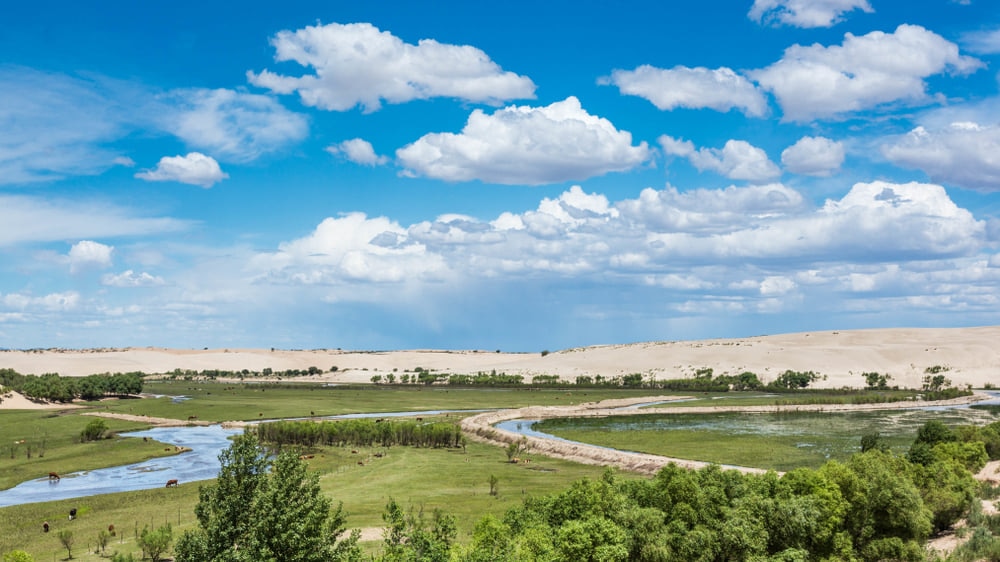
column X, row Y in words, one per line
column 970, row 355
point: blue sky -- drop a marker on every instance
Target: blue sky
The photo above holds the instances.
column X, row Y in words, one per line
column 516, row 176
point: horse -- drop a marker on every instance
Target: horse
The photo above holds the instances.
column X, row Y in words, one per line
column 172, row 483
column 53, row 476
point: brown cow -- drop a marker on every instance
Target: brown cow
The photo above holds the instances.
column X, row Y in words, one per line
column 53, row 476
column 111, row 529
column 45, row 527
column 172, row 483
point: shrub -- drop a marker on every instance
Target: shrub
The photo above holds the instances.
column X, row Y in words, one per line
column 95, row 430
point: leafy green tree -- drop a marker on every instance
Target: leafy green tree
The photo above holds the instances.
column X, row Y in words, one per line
column 66, row 538
column 411, row 538
column 102, row 540
column 17, row 556
column 873, row 441
column 934, row 432
column 155, row 543
column 249, row 515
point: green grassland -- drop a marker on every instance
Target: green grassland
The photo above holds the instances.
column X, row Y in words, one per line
column 777, row 441
column 454, row 480
column 212, row 401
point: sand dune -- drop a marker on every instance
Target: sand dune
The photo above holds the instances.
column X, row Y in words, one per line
column 970, row 355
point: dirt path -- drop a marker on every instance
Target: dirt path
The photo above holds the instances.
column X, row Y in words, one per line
column 158, row 422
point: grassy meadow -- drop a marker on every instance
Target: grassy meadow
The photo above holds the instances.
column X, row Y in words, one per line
column 454, row 480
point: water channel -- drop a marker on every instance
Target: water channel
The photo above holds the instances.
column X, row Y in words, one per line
column 207, row 442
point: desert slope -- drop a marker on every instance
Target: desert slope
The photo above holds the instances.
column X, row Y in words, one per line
column 971, row 355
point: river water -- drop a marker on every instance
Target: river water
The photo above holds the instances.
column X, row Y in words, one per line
column 201, row 462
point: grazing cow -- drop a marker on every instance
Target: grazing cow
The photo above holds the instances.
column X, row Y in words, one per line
column 111, row 529
column 420, row 419
column 53, row 476
column 172, row 483
column 72, row 514
column 45, row 527
column 354, row 451
column 190, row 418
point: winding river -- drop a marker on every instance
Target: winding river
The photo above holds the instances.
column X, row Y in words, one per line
column 201, row 462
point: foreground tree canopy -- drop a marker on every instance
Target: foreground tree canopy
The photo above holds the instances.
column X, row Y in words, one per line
column 264, row 511
column 876, row 506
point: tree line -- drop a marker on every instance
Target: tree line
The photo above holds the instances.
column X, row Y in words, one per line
column 364, row 432
column 55, row 388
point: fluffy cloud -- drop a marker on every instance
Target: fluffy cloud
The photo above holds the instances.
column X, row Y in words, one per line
column 129, row 278
column 352, row 248
column 720, row 89
column 87, row 253
column 813, row 156
column 526, row 145
column 963, row 154
column 358, row 64
column 864, row 72
column 31, row 219
column 195, row 169
column 805, row 13
column 358, row 151
column 52, row 302
column 706, row 211
column 700, row 238
column 738, row 160
column 233, row 126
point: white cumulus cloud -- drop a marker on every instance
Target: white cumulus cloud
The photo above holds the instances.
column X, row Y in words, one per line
column 805, row 13
column 864, row 72
column 352, row 247
column 813, row 156
column 526, row 145
column 963, row 153
column 721, row 89
column 737, row 159
column 87, row 253
column 358, row 151
column 53, row 302
column 130, row 278
column 194, row 168
column 358, row 64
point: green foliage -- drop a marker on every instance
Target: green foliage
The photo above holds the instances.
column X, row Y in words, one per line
column 792, row 380
column 155, row 543
column 934, row 432
column 876, row 381
column 250, row 514
column 94, row 430
column 873, row 441
column 128, row 557
column 17, row 556
column 410, row 537
column 363, row 432
column 66, row 539
column 102, row 540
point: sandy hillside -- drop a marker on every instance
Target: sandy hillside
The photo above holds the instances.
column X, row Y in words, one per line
column 971, row 356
